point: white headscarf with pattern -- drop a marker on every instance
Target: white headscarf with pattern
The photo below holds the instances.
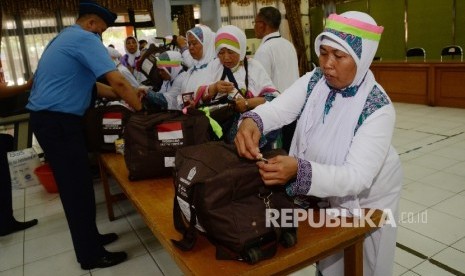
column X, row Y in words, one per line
column 206, row 37
column 232, row 38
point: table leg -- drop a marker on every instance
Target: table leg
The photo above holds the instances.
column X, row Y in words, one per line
column 106, row 189
column 353, row 259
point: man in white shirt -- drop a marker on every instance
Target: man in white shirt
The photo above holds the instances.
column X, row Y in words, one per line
column 278, row 57
column 275, row 53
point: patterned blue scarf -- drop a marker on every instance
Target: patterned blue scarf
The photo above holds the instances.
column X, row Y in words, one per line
column 195, row 68
column 345, row 93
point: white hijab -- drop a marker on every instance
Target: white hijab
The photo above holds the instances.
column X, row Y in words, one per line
column 232, row 38
column 132, row 57
column 363, row 53
column 207, row 38
column 196, row 74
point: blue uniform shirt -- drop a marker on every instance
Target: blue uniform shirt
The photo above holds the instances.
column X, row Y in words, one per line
column 68, row 70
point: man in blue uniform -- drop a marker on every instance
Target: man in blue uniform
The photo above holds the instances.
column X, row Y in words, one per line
column 62, row 91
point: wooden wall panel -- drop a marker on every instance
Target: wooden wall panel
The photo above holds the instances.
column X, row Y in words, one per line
column 432, row 83
column 450, row 86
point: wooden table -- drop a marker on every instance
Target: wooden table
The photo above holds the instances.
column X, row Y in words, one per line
column 433, row 83
column 154, row 200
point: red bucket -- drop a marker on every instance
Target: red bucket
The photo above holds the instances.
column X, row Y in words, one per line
column 45, row 175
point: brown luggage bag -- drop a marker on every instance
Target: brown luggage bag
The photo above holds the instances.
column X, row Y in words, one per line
column 151, row 140
column 222, row 196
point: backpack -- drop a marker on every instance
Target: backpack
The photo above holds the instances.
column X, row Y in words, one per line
column 104, row 124
column 147, row 63
column 222, row 196
column 151, row 140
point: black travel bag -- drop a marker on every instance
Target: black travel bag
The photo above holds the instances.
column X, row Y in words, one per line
column 151, row 140
column 104, row 124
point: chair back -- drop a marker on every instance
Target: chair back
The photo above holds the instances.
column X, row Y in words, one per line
column 415, row 52
column 452, row 51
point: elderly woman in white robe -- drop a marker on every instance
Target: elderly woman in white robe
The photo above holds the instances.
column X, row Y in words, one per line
column 243, row 79
column 201, row 43
column 341, row 149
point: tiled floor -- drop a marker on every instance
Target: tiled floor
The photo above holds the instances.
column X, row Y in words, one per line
column 431, row 235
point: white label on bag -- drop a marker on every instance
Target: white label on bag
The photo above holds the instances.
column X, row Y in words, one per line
column 169, row 131
column 169, row 162
column 147, row 66
column 184, row 206
column 110, row 139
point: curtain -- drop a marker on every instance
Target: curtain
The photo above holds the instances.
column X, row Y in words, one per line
column 18, row 6
column 28, row 26
column 186, row 19
column 26, row 33
column 314, row 3
column 23, row 6
column 2, row 76
column 295, row 25
column 1, row 25
column 124, row 5
column 246, row 2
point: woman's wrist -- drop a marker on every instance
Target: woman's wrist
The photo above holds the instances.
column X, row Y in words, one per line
column 206, row 94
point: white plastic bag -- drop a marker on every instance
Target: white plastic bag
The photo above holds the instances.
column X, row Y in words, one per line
column 22, row 164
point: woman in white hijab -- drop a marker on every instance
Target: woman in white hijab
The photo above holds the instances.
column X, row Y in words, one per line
column 243, row 79
column 193, row 54
column 201, row 43
column 341, row 149
column 131, row 46
column 169, row 65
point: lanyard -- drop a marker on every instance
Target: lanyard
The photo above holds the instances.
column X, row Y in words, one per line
column 272, row 37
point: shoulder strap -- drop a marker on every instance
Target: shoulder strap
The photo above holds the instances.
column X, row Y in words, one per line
column 246, row 66
column 228, row 73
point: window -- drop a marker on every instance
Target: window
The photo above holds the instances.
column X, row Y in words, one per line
column 23, row 41
column 25, row 37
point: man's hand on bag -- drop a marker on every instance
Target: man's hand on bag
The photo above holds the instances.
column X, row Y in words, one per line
column 142, row 92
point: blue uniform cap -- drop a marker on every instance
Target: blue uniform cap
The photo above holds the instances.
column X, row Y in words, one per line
column 91, row 7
